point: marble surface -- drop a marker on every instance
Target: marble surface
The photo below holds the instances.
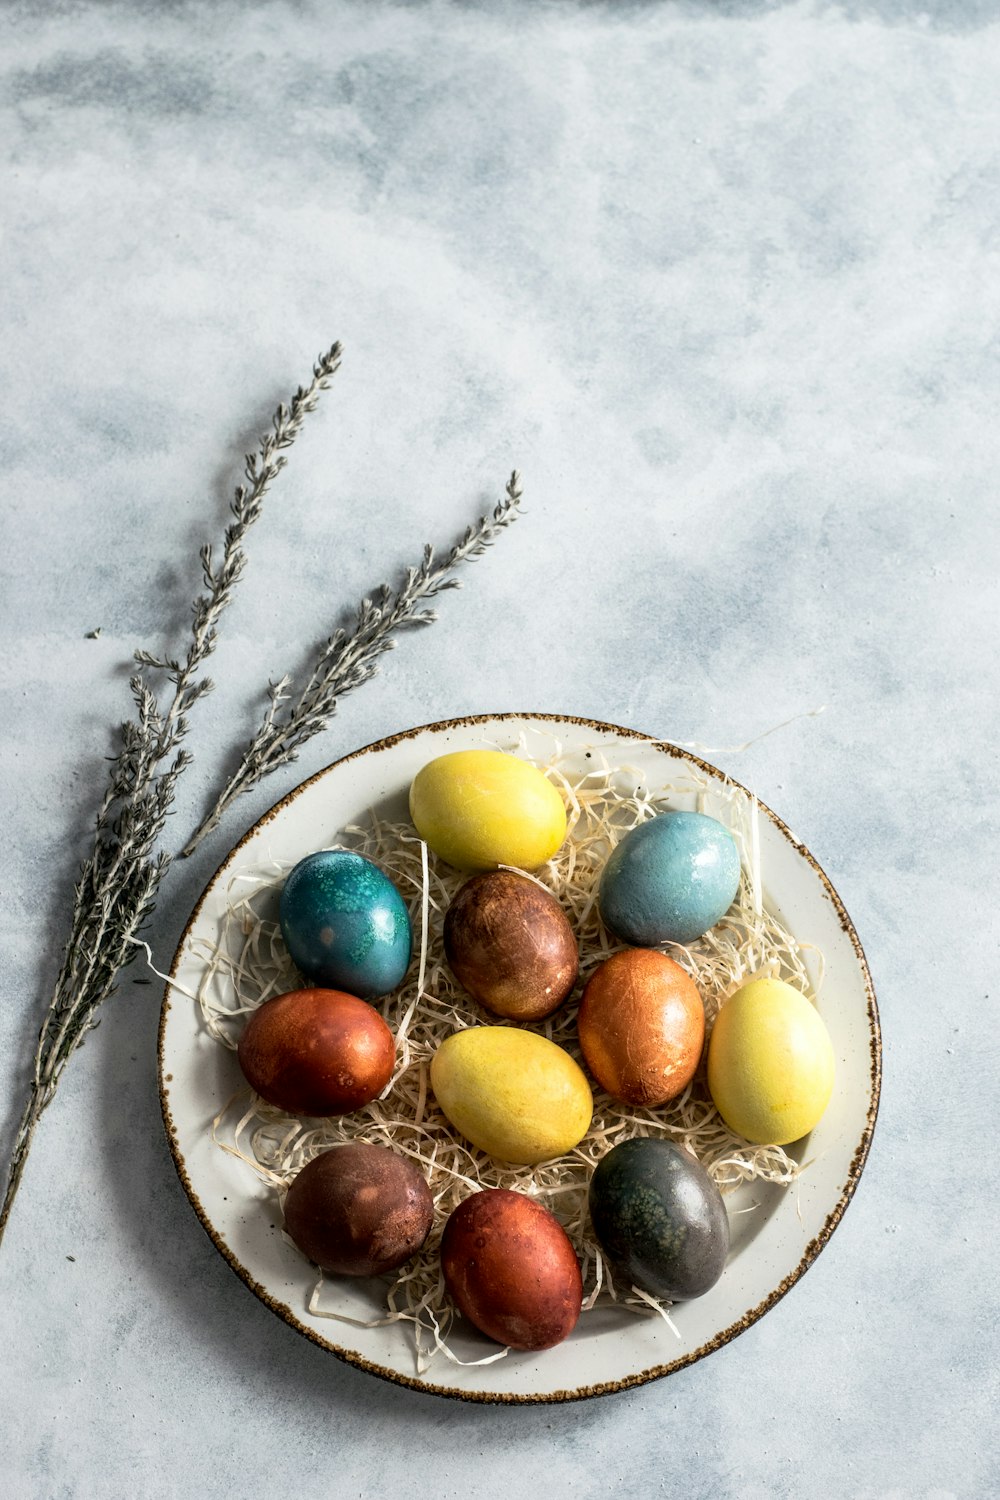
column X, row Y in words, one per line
column 722, row 281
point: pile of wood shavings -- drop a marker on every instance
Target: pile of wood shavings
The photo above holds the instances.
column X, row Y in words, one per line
column 250, row 964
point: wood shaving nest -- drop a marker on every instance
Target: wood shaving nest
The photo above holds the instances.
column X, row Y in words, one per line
column 249, row 964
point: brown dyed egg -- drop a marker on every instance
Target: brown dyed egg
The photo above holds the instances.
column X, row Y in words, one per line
column 317, row 1052
column 510, row 945
column 511, row 1269
column 641, row 1026
column 359, row 1210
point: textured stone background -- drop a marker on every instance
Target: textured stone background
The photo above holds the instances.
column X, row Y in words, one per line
column 722, row 280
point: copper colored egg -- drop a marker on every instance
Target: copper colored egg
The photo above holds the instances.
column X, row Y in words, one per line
column 359, row 1210
column 317, row 1052
column 510, row 945
column 641, row 1026
column 511, row 1269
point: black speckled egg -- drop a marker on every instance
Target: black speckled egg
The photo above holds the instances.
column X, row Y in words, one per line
column 660, row 1219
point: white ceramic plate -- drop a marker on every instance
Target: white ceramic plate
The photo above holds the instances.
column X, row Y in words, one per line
column 772, row 1247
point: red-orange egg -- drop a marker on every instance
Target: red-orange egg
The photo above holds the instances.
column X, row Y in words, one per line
column 359, row 1210
column 641, row 1026
column 317, row 1052
column 511, row 1269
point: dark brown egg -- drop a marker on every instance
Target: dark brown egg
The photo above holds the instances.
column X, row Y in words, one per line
column 317, row 1052
column 511, row 1269
column 359, row 1210
column 641, row 1026
column 510, row 945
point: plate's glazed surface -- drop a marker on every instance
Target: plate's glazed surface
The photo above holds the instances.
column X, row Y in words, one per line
column 609, row 1350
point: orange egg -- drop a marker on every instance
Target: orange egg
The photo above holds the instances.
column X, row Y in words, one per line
column 641, row 1026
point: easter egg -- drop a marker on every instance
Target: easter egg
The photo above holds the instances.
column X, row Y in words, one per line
column 317, row 1052
column 669, row 880
column 345, row 924
column 659, row 1219
column 510, row 1267
column 478, row 809
column 359, row 1210
column 509, row 943
column 642, row 1026
column 770, row 1063
column 512, row 1093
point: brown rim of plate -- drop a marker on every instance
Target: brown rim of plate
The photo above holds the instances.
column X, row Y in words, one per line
column 655, row 1372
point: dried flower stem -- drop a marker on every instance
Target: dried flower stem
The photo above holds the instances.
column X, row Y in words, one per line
column 118, row 882
column 350, row 657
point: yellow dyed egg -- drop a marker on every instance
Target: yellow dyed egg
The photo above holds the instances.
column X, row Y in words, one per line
column 770, row 1063
column 478, row 809
column 512, row 1093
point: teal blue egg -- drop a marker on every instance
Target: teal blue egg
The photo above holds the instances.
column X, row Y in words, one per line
column 345, row 924
column 669, row 880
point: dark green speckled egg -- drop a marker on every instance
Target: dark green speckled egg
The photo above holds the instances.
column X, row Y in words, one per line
column 660, row 1219
column 345, row 924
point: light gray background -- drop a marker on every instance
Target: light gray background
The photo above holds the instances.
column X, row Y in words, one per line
column 722, row 280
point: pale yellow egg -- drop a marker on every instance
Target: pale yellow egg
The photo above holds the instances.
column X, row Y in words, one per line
column 770, row 1063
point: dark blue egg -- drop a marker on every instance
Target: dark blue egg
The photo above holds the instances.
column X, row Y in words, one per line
column 345, row 924
column 669, row 880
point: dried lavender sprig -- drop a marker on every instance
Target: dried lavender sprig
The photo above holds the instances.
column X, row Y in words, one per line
column 118, row 882
column 350, row 657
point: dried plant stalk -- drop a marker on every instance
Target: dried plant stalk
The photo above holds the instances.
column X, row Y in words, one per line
column 118, row 882
column 350, row 657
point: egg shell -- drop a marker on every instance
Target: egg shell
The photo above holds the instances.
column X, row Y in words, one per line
column 359, row 1210
column 659, row 1219
column 669, row 880
column 317, row 1052
column 770, row 1063
column 511, row 1269
column 509, row 943
column 478, row 809
column 345, row 924
column 641, row 1025
column 512, row 1093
